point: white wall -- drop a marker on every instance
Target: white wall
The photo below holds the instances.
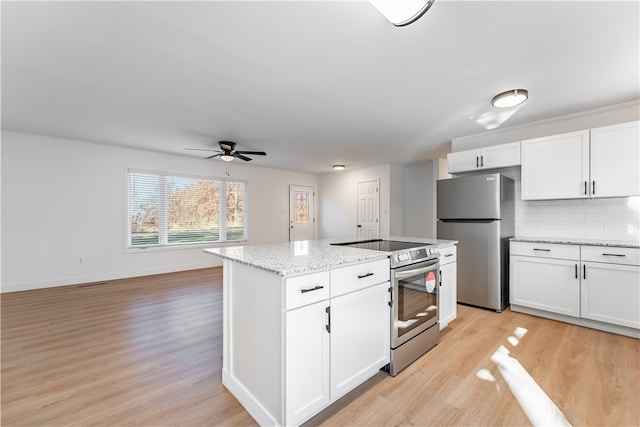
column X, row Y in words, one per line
column 419, row 192
column 338, row 201
column 62, row 199
column 406, row 200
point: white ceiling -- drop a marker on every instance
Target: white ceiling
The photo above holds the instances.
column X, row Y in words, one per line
column 311, row 83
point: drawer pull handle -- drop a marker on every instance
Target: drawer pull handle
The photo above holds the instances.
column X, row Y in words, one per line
column 448, row 255
column 543, row 250
column 315, row 288
column 362, row 276
column 620, row 255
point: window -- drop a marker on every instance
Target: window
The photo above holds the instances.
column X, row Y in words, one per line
column 166, row 209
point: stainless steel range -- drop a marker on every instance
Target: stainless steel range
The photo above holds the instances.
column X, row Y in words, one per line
column 415, row 278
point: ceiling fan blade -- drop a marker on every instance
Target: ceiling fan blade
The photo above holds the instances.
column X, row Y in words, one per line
column 215, row 155
column 240, row 156
column 200, row 149
column 257, row 153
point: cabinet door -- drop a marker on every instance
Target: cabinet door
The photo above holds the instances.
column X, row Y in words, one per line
column 360, row 337
column 447, row 296
column 307, row 362
column 545, row 284
column 615, row 154
column 500, row 156
column 556, row 167
column 611, row 293
column 462, row 161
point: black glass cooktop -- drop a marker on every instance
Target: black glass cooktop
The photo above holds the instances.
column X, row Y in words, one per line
column 382, row 245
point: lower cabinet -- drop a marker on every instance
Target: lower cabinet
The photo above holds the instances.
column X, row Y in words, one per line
column 333, row 346
column 307, row 361
column 360, row 337
column 448, row 295
column 594, row 286
column 611, row 285
column 546, row 284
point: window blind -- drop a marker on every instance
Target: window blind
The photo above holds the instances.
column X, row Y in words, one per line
column 167, row 209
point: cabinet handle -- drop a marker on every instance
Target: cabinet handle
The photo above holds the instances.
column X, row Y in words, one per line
column 481, row 161
column 440, row 278
column 584, row 271
column 315, row 288
column 543, row 250
column 620, row 255
column 448, row 255
column 593, row 188
column 576, row 271
column 477, row 161
column 364, row 275
column 585, row 188
column 328, row 325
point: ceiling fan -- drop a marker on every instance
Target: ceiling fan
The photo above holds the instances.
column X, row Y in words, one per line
column 227, row 152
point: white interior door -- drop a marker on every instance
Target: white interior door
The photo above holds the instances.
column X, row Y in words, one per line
column 301, row 217
column 368, row 203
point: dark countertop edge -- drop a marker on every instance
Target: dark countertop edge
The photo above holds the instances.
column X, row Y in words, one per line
column 578, row 242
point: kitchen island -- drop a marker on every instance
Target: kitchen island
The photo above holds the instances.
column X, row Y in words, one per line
column 303, row 324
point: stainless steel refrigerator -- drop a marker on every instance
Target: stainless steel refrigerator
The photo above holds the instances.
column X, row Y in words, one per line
column 478, row 211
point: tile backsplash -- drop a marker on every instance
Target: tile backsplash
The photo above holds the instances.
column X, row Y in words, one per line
column 602, row 219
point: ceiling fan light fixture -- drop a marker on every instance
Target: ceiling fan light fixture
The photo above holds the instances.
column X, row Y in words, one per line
column 401, row 13
column 338, row 167
column 510, row 98
column 226, row 157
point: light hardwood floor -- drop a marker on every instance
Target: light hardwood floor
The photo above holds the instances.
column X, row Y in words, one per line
column 147, row 352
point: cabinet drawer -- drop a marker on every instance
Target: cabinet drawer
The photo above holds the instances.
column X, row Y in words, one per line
column 306, row 289
column 359, row 276
column 448, row 254
column 545, row 250
column 612, row 255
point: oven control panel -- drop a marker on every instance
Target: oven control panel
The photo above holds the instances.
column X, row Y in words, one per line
column 418, row 254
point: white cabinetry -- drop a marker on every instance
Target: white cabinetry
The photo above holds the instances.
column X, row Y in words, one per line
column 611, row 285
column 545, row 277
column 593, row 286
column 448, row 285
column 601, row 162
column 556, row 167
column 294, row 345
column 496, row 156
column 615, row 156
column 360, row 337
column 307, row 372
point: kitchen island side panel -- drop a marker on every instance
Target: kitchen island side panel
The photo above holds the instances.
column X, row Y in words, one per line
column 253, row 346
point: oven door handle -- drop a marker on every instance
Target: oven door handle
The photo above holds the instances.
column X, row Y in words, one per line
column 403, row 274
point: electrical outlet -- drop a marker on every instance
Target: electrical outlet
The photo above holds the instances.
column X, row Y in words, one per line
column 81, row 260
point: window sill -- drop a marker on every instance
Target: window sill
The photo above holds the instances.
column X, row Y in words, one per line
column 143, row 249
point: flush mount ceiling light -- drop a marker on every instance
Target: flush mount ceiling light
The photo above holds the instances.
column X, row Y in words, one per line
column 338, row 167
column 510, row 98
column 404, row 12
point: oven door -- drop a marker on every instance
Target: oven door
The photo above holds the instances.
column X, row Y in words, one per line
column 414, row 300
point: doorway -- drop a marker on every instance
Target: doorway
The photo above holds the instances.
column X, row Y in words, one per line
column 368, row 226
column 301, row 212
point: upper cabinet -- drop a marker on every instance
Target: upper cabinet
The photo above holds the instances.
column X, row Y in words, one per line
column 615, row 160
column 601, row 162
column 496, row 156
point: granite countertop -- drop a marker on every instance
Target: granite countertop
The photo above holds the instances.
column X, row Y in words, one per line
column 582, row 242
column 292, row 258
column 305, row 256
